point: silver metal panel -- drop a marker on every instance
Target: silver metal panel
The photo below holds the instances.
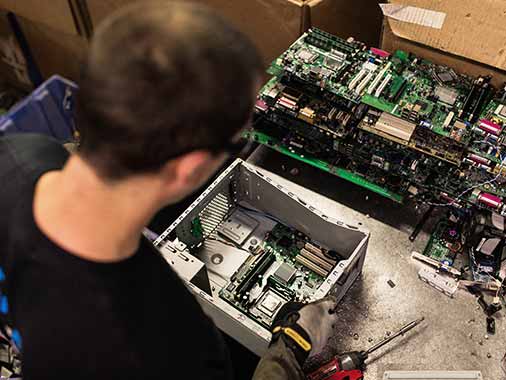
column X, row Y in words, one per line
column 258, row 189
column 252, row 187
column 184, row 264
column 220, row 184
column 235, row 324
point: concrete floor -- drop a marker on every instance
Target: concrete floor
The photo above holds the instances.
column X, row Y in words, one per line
column 453, row 335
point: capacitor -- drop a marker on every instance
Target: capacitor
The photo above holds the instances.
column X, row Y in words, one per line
column 490, row 127
column 479, row 159
column 479, row 131
column 490, row 200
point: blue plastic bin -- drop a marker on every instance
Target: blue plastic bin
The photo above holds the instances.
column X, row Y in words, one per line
column 49, row 110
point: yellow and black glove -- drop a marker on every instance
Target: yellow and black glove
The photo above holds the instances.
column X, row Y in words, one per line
column 305, row 328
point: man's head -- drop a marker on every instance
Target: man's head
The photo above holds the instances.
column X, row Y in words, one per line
column 167, row 86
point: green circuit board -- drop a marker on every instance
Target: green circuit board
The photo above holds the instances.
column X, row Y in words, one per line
column 324, row 61
column 445, row 242
column 283, row 270
column 347, row 175
column 196, row 228
column 418, row 90
column 396, row 124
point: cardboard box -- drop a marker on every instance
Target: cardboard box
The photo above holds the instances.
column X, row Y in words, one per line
column 54, row 52
column 360, row 19
column 467, row 35
column 55, row 14
column 13, row 68
column 273, row 25
column 391, row 42
column 56, row 32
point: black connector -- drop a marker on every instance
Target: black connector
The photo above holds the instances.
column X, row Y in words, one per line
column 490, row 325
column 489, row 309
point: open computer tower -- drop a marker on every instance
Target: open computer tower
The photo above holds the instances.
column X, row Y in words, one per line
column 247, row 245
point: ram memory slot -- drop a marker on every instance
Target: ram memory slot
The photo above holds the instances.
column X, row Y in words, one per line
column 318, row 252
column 308, row 264
column 327, row 41
column 252, row 275
column 315, row 259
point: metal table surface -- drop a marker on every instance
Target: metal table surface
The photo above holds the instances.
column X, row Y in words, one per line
column 453, row 335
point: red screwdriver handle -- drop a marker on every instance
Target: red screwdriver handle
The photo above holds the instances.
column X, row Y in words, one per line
column 332, row 371
column 354, row 374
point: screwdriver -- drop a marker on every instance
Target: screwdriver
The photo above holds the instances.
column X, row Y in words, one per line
column 351, row 365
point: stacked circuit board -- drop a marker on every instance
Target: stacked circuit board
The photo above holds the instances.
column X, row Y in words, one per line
column 396, row 124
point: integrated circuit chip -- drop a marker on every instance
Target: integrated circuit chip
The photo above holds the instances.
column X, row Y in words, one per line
column 285, row 273
column 306, row 55
column 446, row 95
column 333, row 63
column 446, row 76
column 501, row 111
column 270, row 303
column 392, row 128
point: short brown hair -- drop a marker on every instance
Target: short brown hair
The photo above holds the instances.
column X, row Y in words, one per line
column 162, row 79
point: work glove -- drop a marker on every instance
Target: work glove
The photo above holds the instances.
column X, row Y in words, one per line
column 305, row 328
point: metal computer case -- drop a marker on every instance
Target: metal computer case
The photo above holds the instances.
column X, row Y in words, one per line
column 243, row 183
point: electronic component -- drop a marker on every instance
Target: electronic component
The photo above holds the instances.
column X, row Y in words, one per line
column 445, row 284
column 490, row 325
column 445, row 244
column 333, row 62
column 382, row 86
column 458, row 131
column 270, row 303
column 310, row 265
column 369, row 118
column 448, row 119
column 196, row 228
column 446, row 76
column 260, row 105
column 316, row 260
column 306, row 56
column 285, row 273
column 436, row 264
column 446, row 94
column 240, row 262
column 490, row 200
column 490, row 127
column 392, row 127
column 486, row 245
column 500, row 110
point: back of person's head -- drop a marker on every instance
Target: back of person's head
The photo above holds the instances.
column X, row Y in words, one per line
column 163, row 79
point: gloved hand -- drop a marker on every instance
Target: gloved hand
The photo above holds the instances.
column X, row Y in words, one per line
column 318, row 319
column 313, row 323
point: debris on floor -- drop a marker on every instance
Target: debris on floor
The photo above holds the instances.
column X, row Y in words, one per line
column 443, row 283
column 490, row 325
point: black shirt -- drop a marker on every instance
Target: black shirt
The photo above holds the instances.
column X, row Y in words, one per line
column 79, row 319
